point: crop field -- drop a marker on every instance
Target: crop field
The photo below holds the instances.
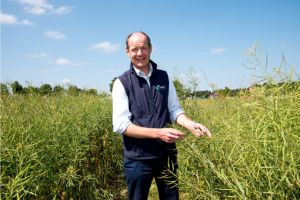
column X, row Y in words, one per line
column 63, row 147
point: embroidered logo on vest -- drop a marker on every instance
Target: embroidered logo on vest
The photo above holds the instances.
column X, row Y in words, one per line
column 160, row 87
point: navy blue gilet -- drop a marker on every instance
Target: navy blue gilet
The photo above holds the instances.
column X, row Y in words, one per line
column 149, row 108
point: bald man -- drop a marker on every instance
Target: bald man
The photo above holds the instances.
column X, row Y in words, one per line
column 144, row 105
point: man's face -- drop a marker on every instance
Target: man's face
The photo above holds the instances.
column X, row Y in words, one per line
column 139, row 51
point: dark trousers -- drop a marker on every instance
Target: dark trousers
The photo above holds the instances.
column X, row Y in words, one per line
column 140, row 173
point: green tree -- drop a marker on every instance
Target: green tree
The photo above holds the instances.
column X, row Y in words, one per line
column 73, row 90
column 3, row 89
column 202, row 94
column 226, row 92
column 91, row 92
column 58, row 89
column 16, row 87
column 45, row 89
column 112, row 84
column 179, row 88
column 31, row 90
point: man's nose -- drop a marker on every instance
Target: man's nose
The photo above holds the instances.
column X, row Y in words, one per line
column 139, row 52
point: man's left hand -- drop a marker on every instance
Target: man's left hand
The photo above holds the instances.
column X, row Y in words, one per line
column 199, row 130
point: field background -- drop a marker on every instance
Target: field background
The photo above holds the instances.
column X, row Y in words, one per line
column 63, row 147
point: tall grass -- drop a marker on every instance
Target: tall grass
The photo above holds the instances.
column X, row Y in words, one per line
column 254, row 153
column 62, row 147
column 58, row 148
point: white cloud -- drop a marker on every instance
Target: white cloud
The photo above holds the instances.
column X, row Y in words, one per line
column 217, row 50
column 39, row 7
column 106, row 47
column 8, row 19
column 55, row 35
column 26, row 22
column 35, row 10
column 13, row 20
column 36, row 7
column 63, row 10
column 62, row 61
column 65, row 61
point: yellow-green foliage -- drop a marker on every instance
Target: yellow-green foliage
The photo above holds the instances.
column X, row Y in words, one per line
column 61, row 147
column 254, row 152
column 58, row 147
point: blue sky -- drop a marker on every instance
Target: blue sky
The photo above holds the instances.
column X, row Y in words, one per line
column 83, row 42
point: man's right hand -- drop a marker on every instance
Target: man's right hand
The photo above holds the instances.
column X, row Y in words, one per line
column 169, row 135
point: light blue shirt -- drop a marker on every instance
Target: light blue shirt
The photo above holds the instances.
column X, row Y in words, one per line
column 121, row 114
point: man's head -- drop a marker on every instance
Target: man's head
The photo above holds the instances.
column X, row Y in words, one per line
column 138, row 48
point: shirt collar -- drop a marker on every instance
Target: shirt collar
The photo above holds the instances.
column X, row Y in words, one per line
column 142, row 74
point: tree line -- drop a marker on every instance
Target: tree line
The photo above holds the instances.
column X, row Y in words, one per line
column 46, row 89
column 183, row 92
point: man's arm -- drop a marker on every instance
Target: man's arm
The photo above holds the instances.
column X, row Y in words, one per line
column 120, row 111
column 122, row 124
column 168, row 135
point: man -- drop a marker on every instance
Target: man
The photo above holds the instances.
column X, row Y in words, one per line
column 144, row 104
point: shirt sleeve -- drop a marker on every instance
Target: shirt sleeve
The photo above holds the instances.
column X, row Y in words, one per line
column 173, row 103
column 121, row 114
